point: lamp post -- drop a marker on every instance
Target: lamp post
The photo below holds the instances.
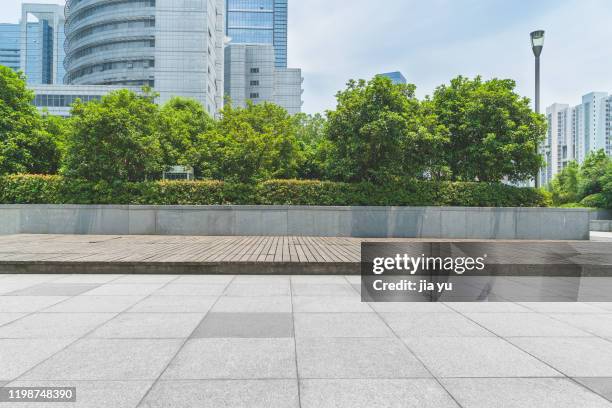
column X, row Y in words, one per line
column 537, row 44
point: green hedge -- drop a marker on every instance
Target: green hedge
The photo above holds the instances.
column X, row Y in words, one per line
column 35, row 189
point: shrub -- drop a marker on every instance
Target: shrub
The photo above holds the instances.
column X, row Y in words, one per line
column 36, row 189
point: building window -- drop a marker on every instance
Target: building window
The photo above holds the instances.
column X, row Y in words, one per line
column 254, row 95
column 254, row 83
column 254, row 70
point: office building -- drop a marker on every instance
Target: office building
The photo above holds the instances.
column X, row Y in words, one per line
column 42, row 43
column 174, row 46
column 259, row 22
column 256, row 57
column 250, row 74
column 35, row 45
column 574, row 132
column 10, row 46
column 396, row 77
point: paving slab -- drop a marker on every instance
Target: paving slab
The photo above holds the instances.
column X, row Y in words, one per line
column 556, row 307
column 356, row 358
column 245, row 325
column 54, row 325
column 108, row 359
column 330, row 304
column 124, row 289
column 27, row 304
column 253, row 304
column 188, row 289
column 87, row 278
column 205, row 279
column 521, row 393
column 226, row 394
column 94, row 304
column 17, row 356
column 340, row 325
column 433, row 325
column 600, row 385
column 410, row 307
column 525, row 325
column 277, row 288
column 10, row 317
column 233, row 359
column 573, row 356
column 349, row 393
column 149, row 326
column 487, row 307
column 476, row 357
column 55, row 289
column 323, row 289
column 597, row 324
column 174, row 304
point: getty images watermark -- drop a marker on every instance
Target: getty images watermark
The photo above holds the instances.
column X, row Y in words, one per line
column 486, row 271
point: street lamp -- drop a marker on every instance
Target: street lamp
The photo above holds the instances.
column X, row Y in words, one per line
column 537, row 44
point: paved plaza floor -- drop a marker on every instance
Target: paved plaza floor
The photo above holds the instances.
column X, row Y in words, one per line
column 299, row 341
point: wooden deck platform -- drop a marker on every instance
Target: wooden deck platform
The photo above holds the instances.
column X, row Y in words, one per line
column 178, row 254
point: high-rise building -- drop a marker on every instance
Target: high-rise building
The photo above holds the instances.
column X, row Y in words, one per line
column 574, row 132
column 256, row 57
column 259, row 22
column 42, row 43
column 250, row 74
column 174, row 46
column 10, row 46
column 35, row 45
column 396, row 77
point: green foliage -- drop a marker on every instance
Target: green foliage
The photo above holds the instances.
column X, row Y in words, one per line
column 565, row 185
column 589, row 184
column 251, row 144
column 25, row 144
column 182, row 125
column 493, row 131
column 380, row 130
column 311, row 137
column 32, row 189
column 114, row 139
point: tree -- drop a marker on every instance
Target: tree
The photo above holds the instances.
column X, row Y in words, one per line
column 25, row 145
column 494, row 133
column 114, row 139
column 592, row 172
column 315, row 147
column 378, row 131
column 565, row 185
column 254, row 143
column 182, row 125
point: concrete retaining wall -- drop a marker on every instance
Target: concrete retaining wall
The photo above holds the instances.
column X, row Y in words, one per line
column 365, row 222
column 601, row 225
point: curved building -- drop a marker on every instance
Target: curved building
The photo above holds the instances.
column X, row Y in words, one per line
column 174, row 46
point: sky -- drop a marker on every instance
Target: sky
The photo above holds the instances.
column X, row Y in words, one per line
column 432, row 41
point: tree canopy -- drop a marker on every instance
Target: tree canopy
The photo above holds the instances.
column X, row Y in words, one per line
column 25, row 144
column 469, row 130
column 494, row 134
column 115, row 139
column 379, row 130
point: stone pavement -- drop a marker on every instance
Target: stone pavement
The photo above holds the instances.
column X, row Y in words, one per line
column 299, row 341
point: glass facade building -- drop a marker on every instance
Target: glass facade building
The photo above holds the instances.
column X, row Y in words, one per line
column 396, row 77
column 259, row 22
column 10, row 46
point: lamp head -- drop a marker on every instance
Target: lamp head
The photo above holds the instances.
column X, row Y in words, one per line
column 537, row 42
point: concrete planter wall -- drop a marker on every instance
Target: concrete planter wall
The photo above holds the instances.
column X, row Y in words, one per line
column 365, row 222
